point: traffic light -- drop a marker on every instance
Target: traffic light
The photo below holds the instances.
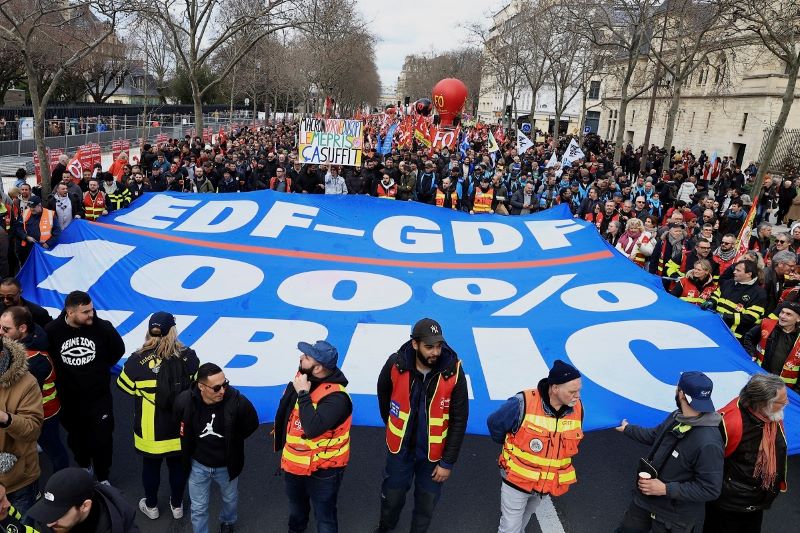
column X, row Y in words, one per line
column 508, row 110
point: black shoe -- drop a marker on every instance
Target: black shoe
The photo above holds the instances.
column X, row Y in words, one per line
column 226, row 528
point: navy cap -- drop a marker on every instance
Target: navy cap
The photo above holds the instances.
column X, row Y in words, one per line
column 427, row 330
column 323, row 353
column 162, row 322
column 562, row 373
column 34, row 200
column 697, row 387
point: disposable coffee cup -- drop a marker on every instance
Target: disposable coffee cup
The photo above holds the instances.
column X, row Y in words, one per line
column 645, row 475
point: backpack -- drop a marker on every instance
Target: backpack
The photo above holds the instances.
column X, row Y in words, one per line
column 172, row 379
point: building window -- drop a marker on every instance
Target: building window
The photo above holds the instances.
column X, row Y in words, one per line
column 708, row 120
column 594, row 90
column 691, row 124
column 744, row 121
column 633, row 116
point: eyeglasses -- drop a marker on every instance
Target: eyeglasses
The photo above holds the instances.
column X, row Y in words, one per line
column 11, row 297
column 216, row 388
column 781, row 241
column 703, row 247
column 5, row 329
column 727, row 243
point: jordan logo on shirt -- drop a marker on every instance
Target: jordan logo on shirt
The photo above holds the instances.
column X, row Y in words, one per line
column 209, row 429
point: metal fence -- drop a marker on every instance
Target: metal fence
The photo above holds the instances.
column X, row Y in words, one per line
column 787, row 153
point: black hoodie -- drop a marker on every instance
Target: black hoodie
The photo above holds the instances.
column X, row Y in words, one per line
column 83, row 358
column 330, row 412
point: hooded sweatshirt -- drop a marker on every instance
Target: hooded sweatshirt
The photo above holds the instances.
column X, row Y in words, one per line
column 83, row 358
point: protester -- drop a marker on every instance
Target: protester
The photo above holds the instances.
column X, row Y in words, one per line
column 773, row 344
column 739, row 301
column 422, row 397
column 528, row 426
column 84, row 349
column 36, row 226
column 312, row 433
column 154, row 375
column 684, row 466
column 215, row 419
column 11, row 295
column 755, row 457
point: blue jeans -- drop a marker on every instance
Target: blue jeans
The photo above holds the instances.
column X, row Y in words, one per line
column 24, row 498
column 200, row 479
column 401, row 470
column 50, row 441
column 319, row 490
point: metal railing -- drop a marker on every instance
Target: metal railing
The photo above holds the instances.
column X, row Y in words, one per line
column 787, row 152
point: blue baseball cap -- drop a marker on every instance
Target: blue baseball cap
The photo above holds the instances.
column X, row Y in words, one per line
column 697, row 387
column 323, row 353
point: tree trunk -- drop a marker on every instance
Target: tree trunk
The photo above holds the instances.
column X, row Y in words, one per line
column 39, row 127
column 673, row 115
column 233, row 86
column 620, row 131
column 197, row 98
column 582, row 121
column 777, row 129
column 532, row 113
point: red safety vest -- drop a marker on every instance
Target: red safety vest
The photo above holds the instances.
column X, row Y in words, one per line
column 303, row 456
column 440, row 196
column 692, row 294
column 94, row 207
column 438, row 412
column 483, row 200
column 8, row 217
column 45, row 224
column 389, row 193
column 792, row 365
column 50, row 402
column 732, row 426
column 274, row 180
column 538, row 457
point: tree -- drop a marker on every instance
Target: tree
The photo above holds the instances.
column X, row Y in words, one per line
column 775, row 23
column 197, row 29
column 12, row 69
column 104, row 75
column 621, row 29
column 69, row 32
column 534, row 59
column 423, row 71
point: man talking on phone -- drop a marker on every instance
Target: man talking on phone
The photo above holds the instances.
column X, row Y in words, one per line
column 683, row 469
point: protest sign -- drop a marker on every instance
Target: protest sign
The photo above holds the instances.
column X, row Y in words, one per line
column 331, row 141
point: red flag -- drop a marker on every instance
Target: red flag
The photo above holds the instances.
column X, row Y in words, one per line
column 80, row 161
column 743, row 241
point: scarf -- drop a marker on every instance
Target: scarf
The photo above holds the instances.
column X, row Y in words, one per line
column 677, row 247
column 766, row 461
column 726, row 256
column 628, row 242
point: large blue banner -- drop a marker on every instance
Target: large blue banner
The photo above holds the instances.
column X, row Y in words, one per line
column 250, row 275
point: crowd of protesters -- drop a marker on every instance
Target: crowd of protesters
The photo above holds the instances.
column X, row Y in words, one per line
column 682, row 223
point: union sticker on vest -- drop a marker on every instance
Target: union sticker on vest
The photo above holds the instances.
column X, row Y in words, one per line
column 394, row 408
column 536, row 445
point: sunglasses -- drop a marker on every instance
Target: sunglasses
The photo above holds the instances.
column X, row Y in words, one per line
column 781, row 242
column 217, row 388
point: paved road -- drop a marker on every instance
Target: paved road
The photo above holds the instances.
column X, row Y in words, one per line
column 470, row 501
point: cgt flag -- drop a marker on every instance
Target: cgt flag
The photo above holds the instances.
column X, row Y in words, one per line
column 75, row 165
column 250, row 277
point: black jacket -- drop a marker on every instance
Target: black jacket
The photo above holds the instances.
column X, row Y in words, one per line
column 405, row 359
column 83, row 358
column 241, row 420
column 689, row 463
column 330, row 412
column 40, row 314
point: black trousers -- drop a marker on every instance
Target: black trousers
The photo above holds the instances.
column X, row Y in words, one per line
column 721, row 521
column 90, row 431
column 638, row 520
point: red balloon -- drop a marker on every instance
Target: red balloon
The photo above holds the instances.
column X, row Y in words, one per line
column 449, row 96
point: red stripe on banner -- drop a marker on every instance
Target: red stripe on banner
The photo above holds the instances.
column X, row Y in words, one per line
column 297, row 254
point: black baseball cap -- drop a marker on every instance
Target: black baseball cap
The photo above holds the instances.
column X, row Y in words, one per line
column 64, row 490
column 427, row 330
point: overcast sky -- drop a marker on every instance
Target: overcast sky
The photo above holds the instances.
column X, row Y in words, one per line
column 417, row 26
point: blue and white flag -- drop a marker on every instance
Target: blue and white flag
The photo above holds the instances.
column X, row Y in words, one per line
column 250, row 275
column 385, row 143
column 464, row 146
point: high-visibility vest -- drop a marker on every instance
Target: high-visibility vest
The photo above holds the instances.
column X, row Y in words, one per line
column 791, row 367
column 440, row 197
column 538, row 457
column 7, row 215
column 389, row 193
column 692, row 294
column 640, row 259
column 274, row 180
column 94, row 207
column 45, row 224
column 438, row 412
column 12, row 523
column 303, row 456
column 50, row 402
column 483, row 200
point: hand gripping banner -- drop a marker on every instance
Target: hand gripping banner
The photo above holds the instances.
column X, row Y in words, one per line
column 250, row 275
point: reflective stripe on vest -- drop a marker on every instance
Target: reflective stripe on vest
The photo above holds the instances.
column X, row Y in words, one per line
column 438, row 412
column 538, row 457
column 791, row 367
column 303, row 456
column 50, row 402
column 94, row 207
column 389, row 193
column 690, row 293
column 45, row 224
column 483, row 200
column 440, row 196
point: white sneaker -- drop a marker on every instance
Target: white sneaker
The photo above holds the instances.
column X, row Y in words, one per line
column 106, row 483
column 177, row 512
column 151, row 513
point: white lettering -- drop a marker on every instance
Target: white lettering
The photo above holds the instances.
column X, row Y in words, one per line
column 159, row 205
column 237, row 214
column 536, row 296
column 389, row 233
column 510, row 360
column 371, row 292
column 591, row 297
column 282, row 215
column 88, row 261
column 486, row 289
column 549, row 234
column 164, row 278
column 364, row 358
column 468, row 237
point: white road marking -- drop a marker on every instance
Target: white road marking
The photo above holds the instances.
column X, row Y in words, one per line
column 548, row 517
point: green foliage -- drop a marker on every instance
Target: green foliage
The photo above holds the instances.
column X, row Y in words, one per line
column 182, row 87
